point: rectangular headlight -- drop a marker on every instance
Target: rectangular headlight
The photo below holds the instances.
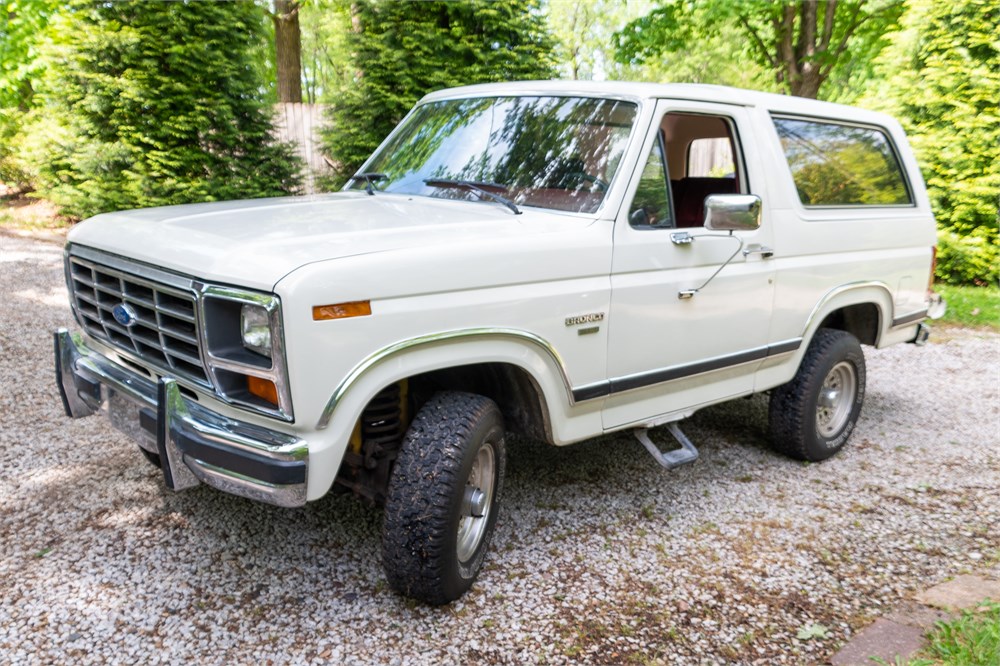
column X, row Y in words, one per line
column 255, row 327
column 244, row 349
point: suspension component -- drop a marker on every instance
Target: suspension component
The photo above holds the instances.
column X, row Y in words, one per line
column 375, row 443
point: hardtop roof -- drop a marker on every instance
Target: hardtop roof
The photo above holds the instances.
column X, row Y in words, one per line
column 703, row 92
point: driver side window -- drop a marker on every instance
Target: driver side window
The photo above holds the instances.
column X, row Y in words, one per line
column 651, row 204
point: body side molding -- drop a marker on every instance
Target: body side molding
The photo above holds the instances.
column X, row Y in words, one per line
column 669, row 374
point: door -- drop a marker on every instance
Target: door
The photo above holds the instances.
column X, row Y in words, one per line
column 671, row 351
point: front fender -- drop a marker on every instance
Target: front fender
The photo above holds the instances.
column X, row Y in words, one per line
column 439, row 351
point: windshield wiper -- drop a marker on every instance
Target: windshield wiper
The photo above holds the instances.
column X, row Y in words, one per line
column 478, row 188
column 370, row 177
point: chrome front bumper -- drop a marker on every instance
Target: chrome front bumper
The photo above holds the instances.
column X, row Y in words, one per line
column 195, row 445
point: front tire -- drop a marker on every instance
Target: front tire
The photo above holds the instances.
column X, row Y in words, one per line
column 443, row 497
column 812, row 416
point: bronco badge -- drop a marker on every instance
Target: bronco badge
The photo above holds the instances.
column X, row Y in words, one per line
column 585, row 319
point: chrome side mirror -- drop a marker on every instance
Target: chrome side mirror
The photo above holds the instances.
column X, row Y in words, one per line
column 732, row 212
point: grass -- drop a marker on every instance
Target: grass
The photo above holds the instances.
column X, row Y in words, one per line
column 971, row 306
column 970, row 640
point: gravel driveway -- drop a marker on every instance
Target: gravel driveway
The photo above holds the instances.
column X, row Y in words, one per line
column 599, row 556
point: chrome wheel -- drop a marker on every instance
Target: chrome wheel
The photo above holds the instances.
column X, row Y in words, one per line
column 477, row 502
column 836, row 399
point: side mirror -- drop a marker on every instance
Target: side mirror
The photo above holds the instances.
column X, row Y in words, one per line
column 732, row 212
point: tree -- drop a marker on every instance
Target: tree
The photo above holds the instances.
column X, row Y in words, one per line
column 22, row 31
column 326, row 59
column 943, row 81
column 803, row 44
column 288, row 49
column 583, row 30
column 402, row 51
column 158, row 103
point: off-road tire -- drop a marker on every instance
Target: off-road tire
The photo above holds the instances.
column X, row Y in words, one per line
column 796, row 426
column 427, row 488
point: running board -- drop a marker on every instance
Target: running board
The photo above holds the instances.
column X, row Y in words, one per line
column 669, row 459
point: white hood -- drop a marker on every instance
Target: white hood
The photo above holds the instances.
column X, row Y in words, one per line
column 257, row 242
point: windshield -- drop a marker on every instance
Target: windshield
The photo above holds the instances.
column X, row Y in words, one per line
column 551, row 152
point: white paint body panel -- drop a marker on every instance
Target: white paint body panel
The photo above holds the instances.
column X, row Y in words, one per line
column 432, row 268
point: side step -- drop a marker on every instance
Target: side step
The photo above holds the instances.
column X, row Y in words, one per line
column 669, row 459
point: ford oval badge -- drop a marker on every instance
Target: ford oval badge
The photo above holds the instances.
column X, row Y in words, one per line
column 125, row 314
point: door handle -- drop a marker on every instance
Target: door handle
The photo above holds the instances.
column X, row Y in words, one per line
column 764, row 251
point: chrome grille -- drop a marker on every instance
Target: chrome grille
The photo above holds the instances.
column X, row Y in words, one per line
column 166, row 332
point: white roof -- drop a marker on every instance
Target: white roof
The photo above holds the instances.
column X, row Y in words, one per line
column 702, row 92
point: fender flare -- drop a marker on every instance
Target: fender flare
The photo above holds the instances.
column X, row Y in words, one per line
column 853, row 293
column 524, row 349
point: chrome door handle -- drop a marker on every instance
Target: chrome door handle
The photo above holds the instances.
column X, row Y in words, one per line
column 764, row 251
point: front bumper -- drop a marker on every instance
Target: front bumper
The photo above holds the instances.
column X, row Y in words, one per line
column 195, row 444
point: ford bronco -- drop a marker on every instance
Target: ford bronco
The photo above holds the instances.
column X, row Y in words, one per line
column 554, row 259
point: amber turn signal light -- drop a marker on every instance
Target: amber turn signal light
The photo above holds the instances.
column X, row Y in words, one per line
column 342, row 310
column 263, row 389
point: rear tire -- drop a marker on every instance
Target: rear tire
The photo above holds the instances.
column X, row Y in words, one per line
column 443, row 497
column 812, row 416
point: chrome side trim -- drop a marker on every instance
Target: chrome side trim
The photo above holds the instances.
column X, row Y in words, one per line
column 910, row 318
column 836, row 291
column 447, row 336
column 675, row 372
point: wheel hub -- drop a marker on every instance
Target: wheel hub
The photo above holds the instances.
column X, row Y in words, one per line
column 476, row 502
column 828, row 398
column 836, row 399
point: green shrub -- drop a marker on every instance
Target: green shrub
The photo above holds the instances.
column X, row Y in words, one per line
column 971, row 259
column 156, row 104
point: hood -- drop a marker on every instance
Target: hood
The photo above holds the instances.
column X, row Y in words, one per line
column 257, row 242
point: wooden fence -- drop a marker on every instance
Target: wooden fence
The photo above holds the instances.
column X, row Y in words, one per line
column 300, row 124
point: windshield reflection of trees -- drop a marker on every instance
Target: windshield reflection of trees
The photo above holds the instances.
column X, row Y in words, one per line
column 554, row 152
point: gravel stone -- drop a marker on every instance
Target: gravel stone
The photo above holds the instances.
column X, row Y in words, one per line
column 599, row 554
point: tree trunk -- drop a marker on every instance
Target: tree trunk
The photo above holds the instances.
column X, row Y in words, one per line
column 288, row 50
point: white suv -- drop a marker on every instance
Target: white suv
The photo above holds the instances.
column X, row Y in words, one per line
column 554, row 259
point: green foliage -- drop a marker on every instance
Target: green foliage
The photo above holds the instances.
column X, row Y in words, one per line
column 802, row 44
column 971, row 640
column 23, row 26
column 971, row 306
column 22, row 31
column 155, row 104
column 583, row 31
column 951, row 109
column 326, row 58
column 941, row 77
column 403, row 50
column 970, row 259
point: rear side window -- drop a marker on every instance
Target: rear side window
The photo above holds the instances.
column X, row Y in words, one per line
column 842, row 165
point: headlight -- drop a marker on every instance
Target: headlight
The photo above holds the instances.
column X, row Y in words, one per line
column 255, row 325
column 244, row 349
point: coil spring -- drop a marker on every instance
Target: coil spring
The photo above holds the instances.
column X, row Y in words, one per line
column 381, row 425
